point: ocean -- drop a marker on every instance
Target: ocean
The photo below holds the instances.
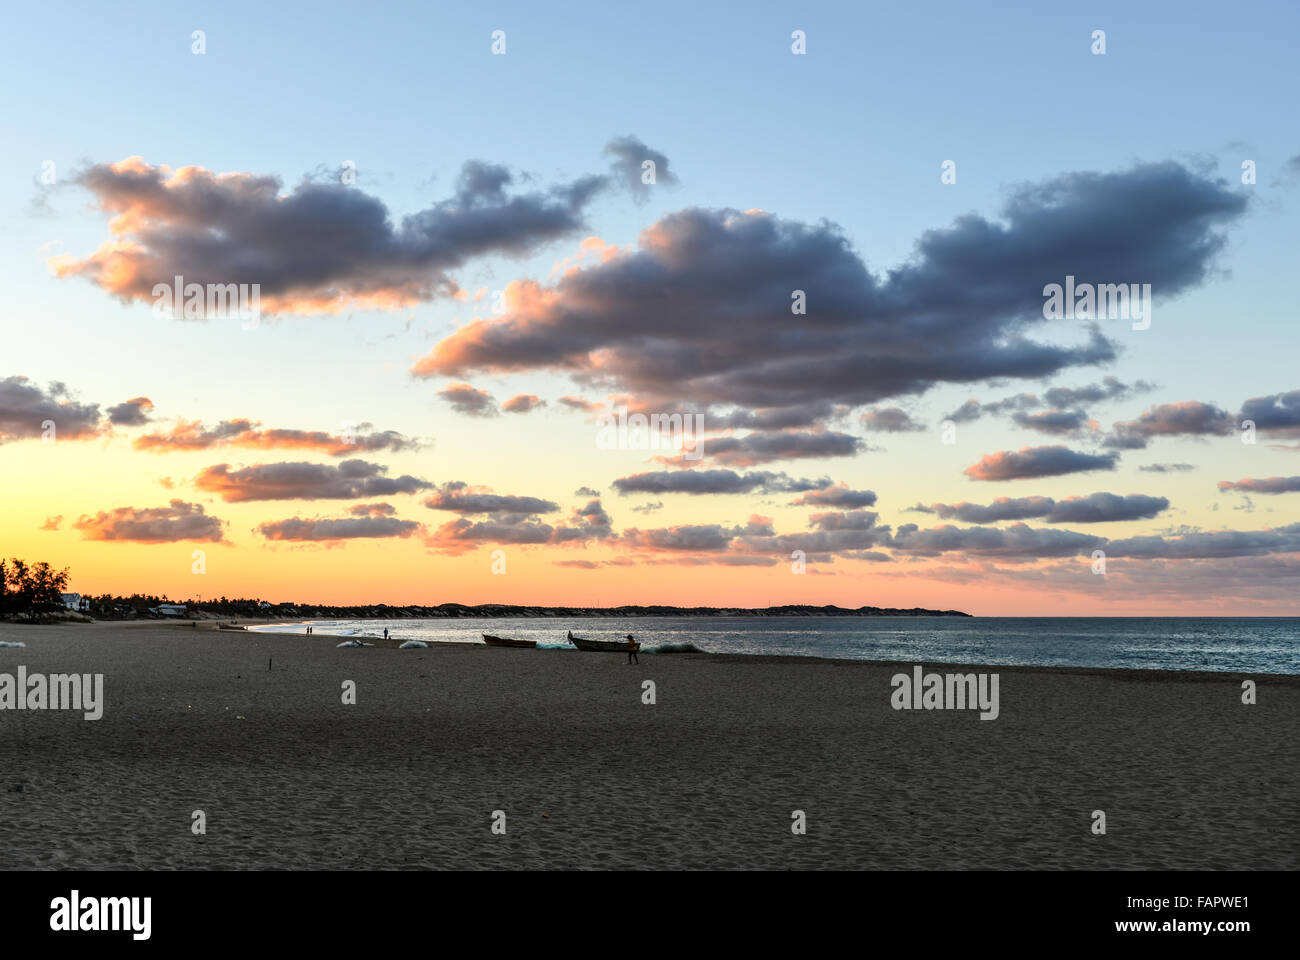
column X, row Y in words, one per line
column 1232, row 644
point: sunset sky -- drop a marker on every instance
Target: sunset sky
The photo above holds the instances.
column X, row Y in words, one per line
column 461, row 268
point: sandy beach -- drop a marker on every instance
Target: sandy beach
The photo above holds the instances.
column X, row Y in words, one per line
column 591, row 777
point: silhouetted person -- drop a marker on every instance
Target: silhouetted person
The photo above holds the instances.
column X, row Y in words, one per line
column 385, row 633
column 632, row 648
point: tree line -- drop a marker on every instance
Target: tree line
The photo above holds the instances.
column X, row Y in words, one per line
column 30, row 591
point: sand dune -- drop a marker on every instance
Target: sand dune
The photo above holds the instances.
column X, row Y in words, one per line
column 590, row 777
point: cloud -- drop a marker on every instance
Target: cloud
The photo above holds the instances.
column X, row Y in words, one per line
column 175, row 522
column 1277, row 413
column 659, row 323
column 318, row 248
column 372, row 510
column 460, row 497
column 1218, row 543
column 1106, row 508
column 193, row 435
column 1018, row 541
column 349, row 480
column 25, row 408
column 523, row 403
column 469, row 401
column 649, row 507
column 706, row 537
column 1053, row 421
column 130, row 413
column 837, row 496
column 755, row 448
column 1060, row 401
column 1051, row 461
column 1167, row 467
column 579, row 403
column 346, row 528
column 1094, row 508
column 1110, row 388
column 1267, row 485
column 889, row 420
column 1188, row 418
column 510, row 525
column 628, row 170
column 53, row 523
column 714, row 481
column 586, row 492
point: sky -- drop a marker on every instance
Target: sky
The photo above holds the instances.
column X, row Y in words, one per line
column 821, row 235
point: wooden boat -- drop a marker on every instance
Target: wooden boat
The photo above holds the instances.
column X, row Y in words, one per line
column 492, row 641
column 601, row 646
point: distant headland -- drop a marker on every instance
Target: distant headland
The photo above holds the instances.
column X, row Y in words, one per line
column 143, row 607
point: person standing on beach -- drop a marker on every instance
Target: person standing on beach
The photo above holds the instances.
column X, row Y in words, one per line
column 632, row 648
column 385, row 633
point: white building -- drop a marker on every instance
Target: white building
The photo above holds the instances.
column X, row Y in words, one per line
column 74, row 601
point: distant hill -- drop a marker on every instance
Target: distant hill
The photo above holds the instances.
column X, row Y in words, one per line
column 501, row 610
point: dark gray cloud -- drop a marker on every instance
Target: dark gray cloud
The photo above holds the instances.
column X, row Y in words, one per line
column 1190, row 418
column 1277, row 414
column 1106, row 508
column 759, row 447
column 469, row 400
column 1057, row 422
column 1167, row 467
column 344, row 528
column 130, row 413
column 779, row 418
column 459, row 497
column 715, row 481
column 1058, row 400
column 170, row 524
column 837, row 496
column 1000, row 510
column 1110, row 388
column 25, row 407
column 1018, row 541
column 706, row 537
column 1217, row 543
column 628, row 168
column 319, row 247
column 1051, row 461
column 662, row 320
column 1262, row 485
column 349, row 480
column 889, row 420
column 511, row 526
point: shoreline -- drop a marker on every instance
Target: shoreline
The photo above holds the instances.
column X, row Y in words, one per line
column 379, row 643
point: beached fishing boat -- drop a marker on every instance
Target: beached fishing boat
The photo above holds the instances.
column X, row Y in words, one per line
column 492, row 641
column 602, row 646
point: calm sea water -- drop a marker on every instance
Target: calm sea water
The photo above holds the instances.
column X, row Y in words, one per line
column 1255, row 645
